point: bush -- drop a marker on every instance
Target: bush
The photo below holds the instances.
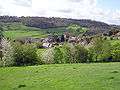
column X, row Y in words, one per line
column 39, row 45
column 58, row 55
column 116, row 55
column 66, row 53
column 116, row 52
column 74, row 54
column 81, row 54
column 111, row 38
column 100, row 51
column 25, row 55
column 63, row 54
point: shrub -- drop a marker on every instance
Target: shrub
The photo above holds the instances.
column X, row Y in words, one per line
column 58, row 55
column 116, row 55
column 39, row 45
column 25, row 55
column 81, row 54
column 101, row 50
column 116, row 52
column 74, row 54
column 104, row 38
column 111, row 38
column 66, row 53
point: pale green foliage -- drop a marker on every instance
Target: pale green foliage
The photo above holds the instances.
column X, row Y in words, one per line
column 74, row 53
column 48, row 56
column 66, row 53
column 101, row 50
column 6, row 55
column 116, row 52
column 7, row 50
column 116, row 55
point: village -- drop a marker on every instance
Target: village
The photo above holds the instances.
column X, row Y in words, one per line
column 53, row 40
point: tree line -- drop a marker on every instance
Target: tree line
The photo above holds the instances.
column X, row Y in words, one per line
column 17, row 54
column 95, row 27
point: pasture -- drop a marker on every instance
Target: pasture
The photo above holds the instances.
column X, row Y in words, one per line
column 20, row 34
column 95, row 76
column 18, row 30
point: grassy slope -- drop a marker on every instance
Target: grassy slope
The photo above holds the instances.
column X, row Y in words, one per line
column 17, row 30
column 104, row 76
column 19, row 34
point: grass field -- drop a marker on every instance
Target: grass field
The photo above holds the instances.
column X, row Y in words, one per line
column 35, row 34
column 19, row 34
column 18, row 30
column 104, row 76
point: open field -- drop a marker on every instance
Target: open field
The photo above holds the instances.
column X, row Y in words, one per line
column 18, row 30
column 19, row 34
column 35, row 34
column 96, row 76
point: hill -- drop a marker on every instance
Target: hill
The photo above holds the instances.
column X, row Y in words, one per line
column 94, row 27
column 97, row 76
column 18, row 30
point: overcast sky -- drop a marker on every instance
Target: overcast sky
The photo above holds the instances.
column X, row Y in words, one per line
column 101, row 10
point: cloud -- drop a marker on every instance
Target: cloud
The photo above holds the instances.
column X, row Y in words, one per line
column 76, row 1
column 65, row 10
column 78, row 9
column 24, row 3
column 16, row 7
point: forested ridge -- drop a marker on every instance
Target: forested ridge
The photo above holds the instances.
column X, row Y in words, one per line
column 95, row 27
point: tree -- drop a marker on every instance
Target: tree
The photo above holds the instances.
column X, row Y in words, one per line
column 81, row 54
column 6, row 50
column 116, row 52
column 66, row 49
column 48, row 56
column 58, row 55
column 101, row 50
column 25, row 55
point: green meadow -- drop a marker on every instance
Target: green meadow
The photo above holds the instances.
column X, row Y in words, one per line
column 18, row 30
column 95, row 76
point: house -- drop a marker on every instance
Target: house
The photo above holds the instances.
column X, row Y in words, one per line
column 72, row 40
column 118, row 34
column 47, row 45
column 66, row 36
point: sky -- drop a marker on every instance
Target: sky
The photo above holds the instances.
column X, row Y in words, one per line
column 107, row 11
